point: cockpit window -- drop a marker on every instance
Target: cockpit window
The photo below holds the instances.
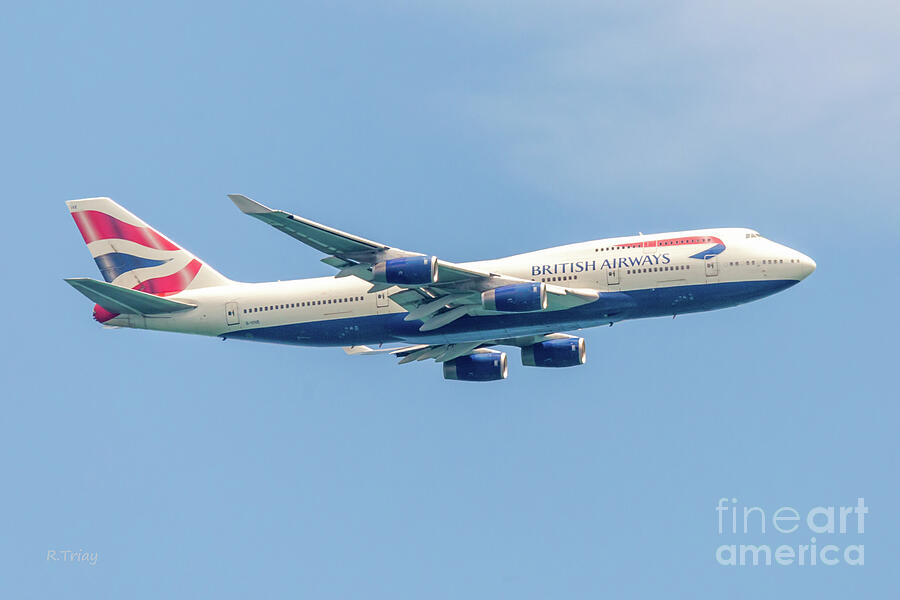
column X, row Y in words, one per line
column 752, row 234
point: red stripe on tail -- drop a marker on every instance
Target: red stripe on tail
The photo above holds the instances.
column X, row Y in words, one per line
column 159, row 286
column 95, row 225
column 171, row 284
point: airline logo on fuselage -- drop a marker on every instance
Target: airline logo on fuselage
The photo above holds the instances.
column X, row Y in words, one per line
column 664, row 258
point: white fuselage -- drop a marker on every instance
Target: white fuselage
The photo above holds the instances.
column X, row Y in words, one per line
column 659, row 274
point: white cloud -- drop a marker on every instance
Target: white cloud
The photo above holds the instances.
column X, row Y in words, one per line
column 617, row 99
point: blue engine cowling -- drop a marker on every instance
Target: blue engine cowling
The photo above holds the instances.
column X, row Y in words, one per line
column 412, row 270
column 518, row 297
column 568, row 352
column 481, row 366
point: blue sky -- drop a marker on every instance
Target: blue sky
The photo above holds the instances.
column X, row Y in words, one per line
column 195, row 467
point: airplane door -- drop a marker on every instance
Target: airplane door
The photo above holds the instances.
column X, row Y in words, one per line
column 712, row 266
column 231, row 314
column 612, row 277
column 381, row 299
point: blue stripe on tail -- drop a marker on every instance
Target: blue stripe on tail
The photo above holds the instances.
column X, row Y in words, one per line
column 115, row 263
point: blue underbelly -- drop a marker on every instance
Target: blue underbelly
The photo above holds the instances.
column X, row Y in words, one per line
column 618, row 306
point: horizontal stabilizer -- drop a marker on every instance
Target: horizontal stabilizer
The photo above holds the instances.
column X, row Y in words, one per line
column 124, row 300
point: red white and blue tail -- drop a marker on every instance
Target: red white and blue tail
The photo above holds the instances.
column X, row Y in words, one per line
column 131, row 254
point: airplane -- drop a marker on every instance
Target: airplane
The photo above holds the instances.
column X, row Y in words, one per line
column 456, row 314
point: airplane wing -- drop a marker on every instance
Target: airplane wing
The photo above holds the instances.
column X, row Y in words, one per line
column 321, row 237
column 447, row 292
column 444, row 352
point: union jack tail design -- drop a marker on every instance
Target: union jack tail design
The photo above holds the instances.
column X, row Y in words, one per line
column 130, row 253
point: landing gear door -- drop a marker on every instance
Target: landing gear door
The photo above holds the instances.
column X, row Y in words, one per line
column 712, row 266
column 231, row 314
column 612, row 277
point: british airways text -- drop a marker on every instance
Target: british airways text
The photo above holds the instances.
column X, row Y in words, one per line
column 581, row 266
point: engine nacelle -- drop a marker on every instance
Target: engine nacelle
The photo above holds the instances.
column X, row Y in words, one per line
column 567, row 352
column 411, row 270
column 480, row 366
column 518, row 297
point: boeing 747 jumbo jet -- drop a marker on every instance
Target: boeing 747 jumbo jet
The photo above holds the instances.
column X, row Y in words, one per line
column 454, row 313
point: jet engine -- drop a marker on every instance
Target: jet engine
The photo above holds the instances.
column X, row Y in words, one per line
column 411, row 270
column 566, row 352
column 480, row 366
column 518, row 297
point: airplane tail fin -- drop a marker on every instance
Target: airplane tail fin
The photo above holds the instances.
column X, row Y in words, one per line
column 131, row 254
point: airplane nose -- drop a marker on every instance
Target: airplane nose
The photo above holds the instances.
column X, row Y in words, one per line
column 807, row 266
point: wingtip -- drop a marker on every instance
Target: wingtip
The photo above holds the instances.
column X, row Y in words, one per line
column 248, row 206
